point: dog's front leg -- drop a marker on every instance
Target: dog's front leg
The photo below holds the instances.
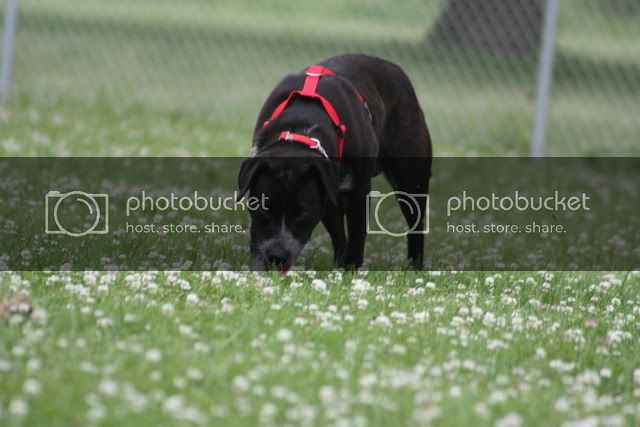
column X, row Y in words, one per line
column 357, row 229
column 334, row 223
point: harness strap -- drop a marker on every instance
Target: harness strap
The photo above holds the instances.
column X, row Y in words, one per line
column 310, row 90
column 312, row 143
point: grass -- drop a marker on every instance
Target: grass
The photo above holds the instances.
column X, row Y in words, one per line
column 238, row 349
column 202, row 61
column 375, row 349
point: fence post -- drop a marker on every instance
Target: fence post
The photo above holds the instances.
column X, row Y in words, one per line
column 8, row 44
column 545, row 77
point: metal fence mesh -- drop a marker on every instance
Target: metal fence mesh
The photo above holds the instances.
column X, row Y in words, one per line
column 473, row 63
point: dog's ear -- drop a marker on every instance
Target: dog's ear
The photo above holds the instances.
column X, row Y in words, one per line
column 248, row 171
column 329, row 176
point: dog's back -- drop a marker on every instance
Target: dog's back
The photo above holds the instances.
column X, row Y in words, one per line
column 395, row 110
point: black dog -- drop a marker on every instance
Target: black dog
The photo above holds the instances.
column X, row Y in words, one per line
column 320, row 138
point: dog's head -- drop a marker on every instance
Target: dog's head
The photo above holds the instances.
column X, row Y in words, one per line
column 296, row 194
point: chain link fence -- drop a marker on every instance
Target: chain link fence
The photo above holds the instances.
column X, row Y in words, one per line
column 473, row 63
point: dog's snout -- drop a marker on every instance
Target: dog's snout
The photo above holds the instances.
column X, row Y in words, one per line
column 278, row 255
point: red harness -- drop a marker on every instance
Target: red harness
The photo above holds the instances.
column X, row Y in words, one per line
column 309, row 90
column 312, row 143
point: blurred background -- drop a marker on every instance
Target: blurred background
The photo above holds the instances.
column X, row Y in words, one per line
column 187, row 77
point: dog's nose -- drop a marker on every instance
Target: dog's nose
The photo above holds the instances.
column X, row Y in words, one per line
column 277, row 255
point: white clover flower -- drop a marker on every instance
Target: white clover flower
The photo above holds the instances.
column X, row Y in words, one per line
column 5, row 366
column 240, row 384
column 616, row 336
column 34, row 364
column 184, row 285
column 368, row 380
column 510, row 420
column 327, row 395
column 455, row 391
column 195, row 374
column 362, row 304
column 267, row 412
column 562, row 405
column 508, row 300
column 201, row 347
column 268, row 290
column 90, row 277
column 153, row 355
column 421, row 316
column 399, row 349
column 105, row 322
column 179, row 382
column 469, row 365
column 87, row 367
column 227, row 306
column 496, row 345
column 382, row 320
column 96, row 413
column 108, row 387
column 360, row 286
column 167, row 309
column 481, row 410
column 18, row 407
column 413, row 292
column 185, row 330
column 284, row 335
column 300, row 321
column 489, row 319
column 399, row 317
column 561, row 366
column 32, row 387
column 173, row 404
column 40, row 316
column 319, row 285
column 192, row 300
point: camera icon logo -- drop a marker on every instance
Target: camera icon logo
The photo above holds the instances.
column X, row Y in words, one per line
column 76, row 213
column 414, row 206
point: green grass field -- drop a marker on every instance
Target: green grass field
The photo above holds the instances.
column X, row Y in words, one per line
column 189, row 77
column 307, row 349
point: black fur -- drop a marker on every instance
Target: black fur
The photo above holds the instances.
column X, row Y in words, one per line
column 390, row 136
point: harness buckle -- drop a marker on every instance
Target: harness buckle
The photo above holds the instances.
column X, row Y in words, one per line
column 319, row 147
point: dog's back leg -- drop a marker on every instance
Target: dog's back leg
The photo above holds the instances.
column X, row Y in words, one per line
column 411, row 175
